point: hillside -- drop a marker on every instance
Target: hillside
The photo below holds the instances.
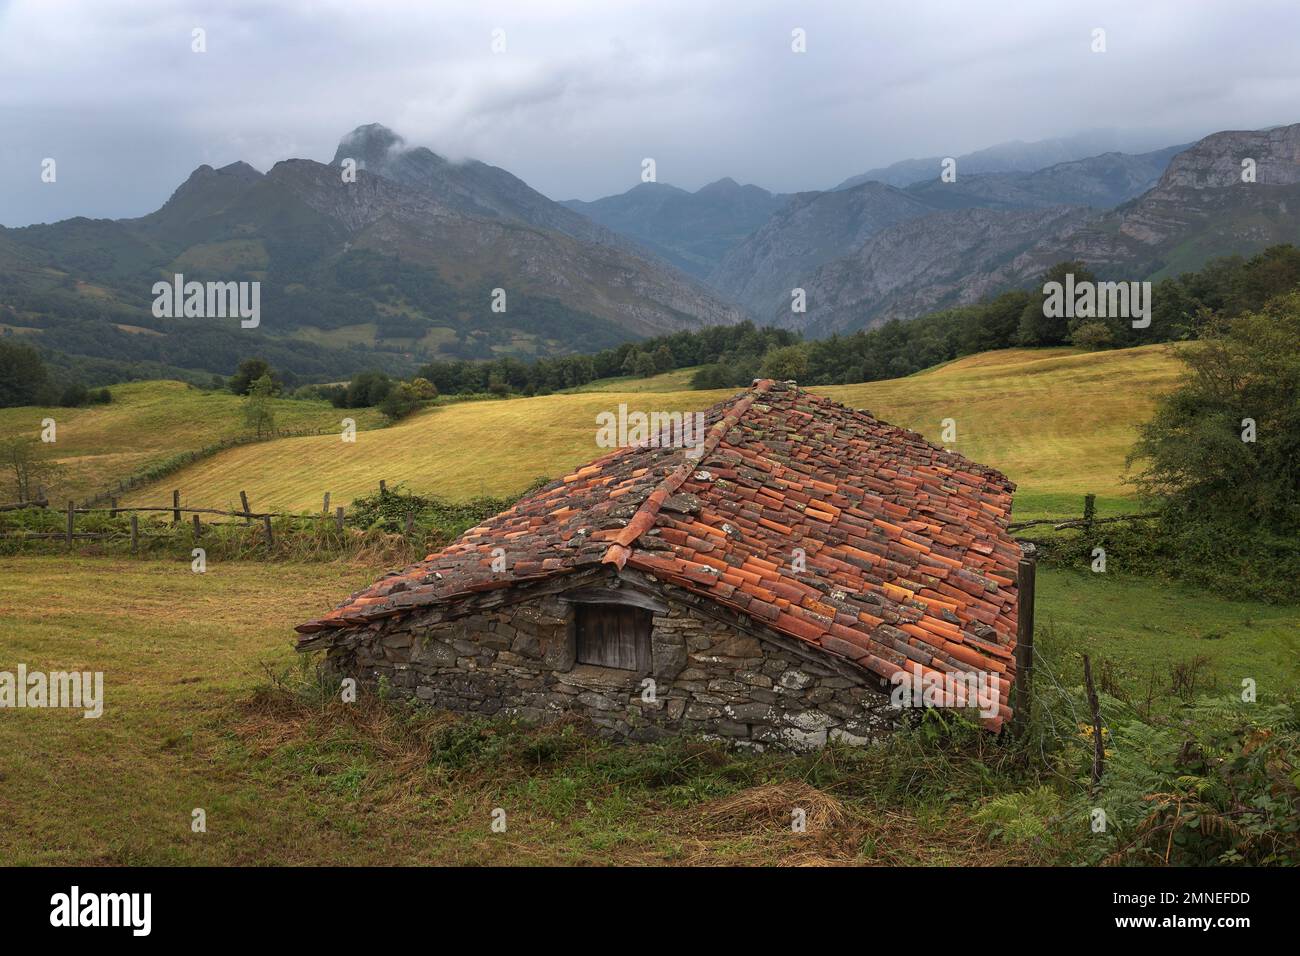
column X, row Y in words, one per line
column 1101, row 182
column 1008, row 407
column 1198, row 210
column 148, row 422
column 810, row 229
column 1016, row 156
column 693, row 231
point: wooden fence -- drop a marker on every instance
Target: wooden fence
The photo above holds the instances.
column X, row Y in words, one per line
column 1087, row 522
column 70, row 533
column 249, row 516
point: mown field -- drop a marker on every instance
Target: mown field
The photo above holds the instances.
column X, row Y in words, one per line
column 192, row 720
column 1058, row 421
column 148, row 422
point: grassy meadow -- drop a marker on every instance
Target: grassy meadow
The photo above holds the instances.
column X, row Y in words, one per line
column 192, row 719
column 148, row 422
column 207, row 705
column 1008, row 408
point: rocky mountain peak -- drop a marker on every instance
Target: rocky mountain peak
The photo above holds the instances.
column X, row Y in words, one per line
column 239, row 170
column 370, row 145
column 1216, row 160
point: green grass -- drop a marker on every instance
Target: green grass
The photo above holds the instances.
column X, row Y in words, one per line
column 677, row 380
column 1146, row 628
column 191, row 722
column 1059, row 422
column 148, row 422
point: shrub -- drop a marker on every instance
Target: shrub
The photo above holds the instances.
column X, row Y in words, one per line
column 1243, row 376
column 23, row 377
column 1215, row 785
column 74, row 396
column 251, row 370
column 788, row 363
column 399, row 402
column 1092, row 335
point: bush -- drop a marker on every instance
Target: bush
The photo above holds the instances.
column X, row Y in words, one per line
column 388, row 510
column 367, row 389
column 789, row 363
column 399, row 402
column 74, row 396
column 251, row 370
column 1260, row 566
column 1223, row 445
column 1217, row 785
column 1092, row 336
column 23, row 378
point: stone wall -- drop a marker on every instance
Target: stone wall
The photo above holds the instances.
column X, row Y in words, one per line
column 710, row 678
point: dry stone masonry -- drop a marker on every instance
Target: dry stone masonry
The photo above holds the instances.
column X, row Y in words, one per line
column 709, row 678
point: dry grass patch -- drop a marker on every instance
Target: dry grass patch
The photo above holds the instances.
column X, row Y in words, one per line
column 1007, row 406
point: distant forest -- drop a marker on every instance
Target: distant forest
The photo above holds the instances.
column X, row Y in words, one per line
column 733, row 356
column 724, row 356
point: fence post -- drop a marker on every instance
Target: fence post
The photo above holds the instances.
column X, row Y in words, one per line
column 383, row 486
column 113, row 512
column 176, row 507
column 338, row 516
column 325, row 508
column 198, row 529
column 410, row 523
column 135, row 532
column 243, row 498
column 270, row 537
column 71, row 517
column 1024, row 644
column 1089, row 513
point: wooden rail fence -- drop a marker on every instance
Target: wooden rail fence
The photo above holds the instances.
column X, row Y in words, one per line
column 69, row 534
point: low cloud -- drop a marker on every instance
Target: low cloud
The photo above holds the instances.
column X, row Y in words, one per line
column 585, row 89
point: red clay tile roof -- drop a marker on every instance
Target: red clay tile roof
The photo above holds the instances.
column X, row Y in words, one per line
column 907, row 554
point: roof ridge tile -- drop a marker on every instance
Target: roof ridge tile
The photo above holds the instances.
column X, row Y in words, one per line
column 648, row 513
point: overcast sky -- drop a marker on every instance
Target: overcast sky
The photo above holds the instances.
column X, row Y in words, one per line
column 585, row 90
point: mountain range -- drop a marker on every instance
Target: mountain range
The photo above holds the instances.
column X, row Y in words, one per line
column 1200, row 208
column 401, row 264
column 1016, row 156
column 692, row 231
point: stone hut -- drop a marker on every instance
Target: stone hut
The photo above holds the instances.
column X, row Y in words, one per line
column 773, row 585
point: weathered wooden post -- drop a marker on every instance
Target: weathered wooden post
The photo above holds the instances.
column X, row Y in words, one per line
column 383, row 486
column 1024, row 644
column 198, row 529
column 338, row 517
column 112, row 513
column 71, row 517
column 176, row 507
column 1094, row 707
column 243, row 499
column 410, row 523
column 1089, row 514
column 135, row 532
column 270, row 537
column 325, row 508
